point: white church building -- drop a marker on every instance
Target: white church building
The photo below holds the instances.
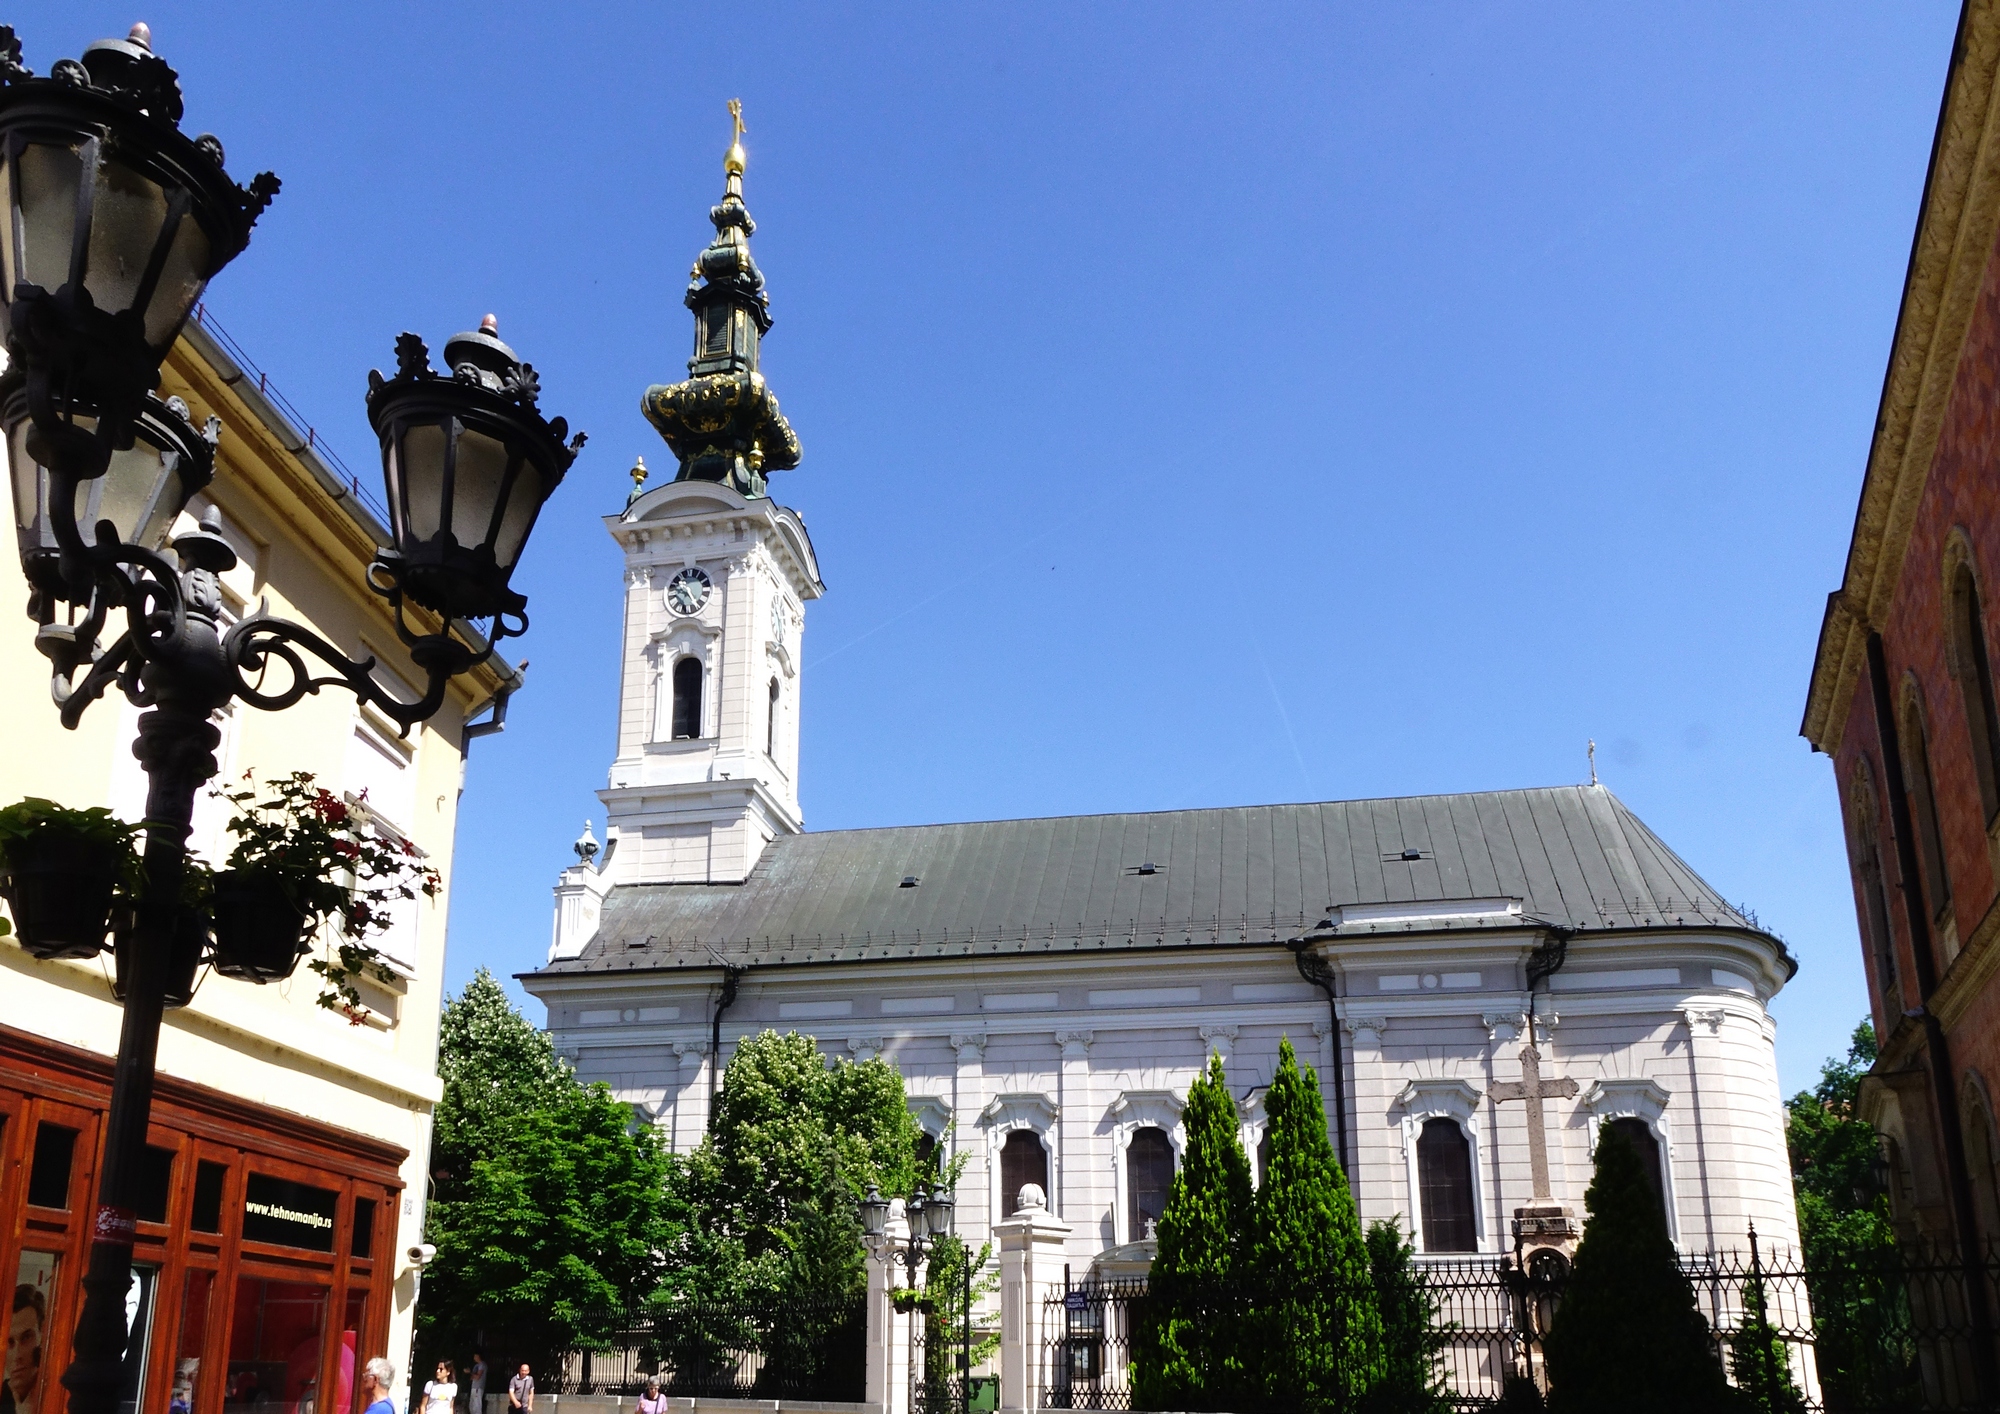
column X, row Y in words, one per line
column 1050, row 987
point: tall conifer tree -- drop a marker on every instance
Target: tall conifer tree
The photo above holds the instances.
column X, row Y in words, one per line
column 1190, row 1346
column 1317, row 1329
column 1628, row 1335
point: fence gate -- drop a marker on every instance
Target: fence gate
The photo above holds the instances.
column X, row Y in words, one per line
column 1087, row 1352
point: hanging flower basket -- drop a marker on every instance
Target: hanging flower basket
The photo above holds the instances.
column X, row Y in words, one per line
column 61, row 871
column 60, row 894
column 188, row 942
column 260, row 933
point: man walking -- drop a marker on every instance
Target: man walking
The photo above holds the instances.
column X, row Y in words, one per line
column 378, row 1377
column 476, row 1376
column 521, row 1391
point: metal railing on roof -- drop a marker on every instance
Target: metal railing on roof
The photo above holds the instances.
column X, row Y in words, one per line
column 289, row 410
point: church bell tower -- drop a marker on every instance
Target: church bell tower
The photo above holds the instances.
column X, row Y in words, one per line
column 717, row 577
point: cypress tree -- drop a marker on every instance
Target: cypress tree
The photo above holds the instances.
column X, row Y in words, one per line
column 1628, row 1335
column 1317, row 1327
column 1190, row 1342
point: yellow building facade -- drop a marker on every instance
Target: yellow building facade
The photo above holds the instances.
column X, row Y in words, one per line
column 289, row 1143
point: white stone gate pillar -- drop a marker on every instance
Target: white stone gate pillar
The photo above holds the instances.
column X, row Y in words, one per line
column 1031, row 1265
column 888, row 1385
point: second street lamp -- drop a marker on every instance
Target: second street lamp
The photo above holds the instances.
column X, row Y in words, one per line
column 115, row 222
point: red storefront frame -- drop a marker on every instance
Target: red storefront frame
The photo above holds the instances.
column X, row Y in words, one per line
column 213, row 1306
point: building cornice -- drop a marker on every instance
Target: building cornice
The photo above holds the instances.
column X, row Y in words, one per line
column 1956, row 226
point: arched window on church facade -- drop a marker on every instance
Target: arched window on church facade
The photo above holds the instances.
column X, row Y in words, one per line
column 771, row 724
column 1263, row 1155
column 1639, row 1134
column 1023, row 1160
column 927, row 1155
column 687, row 699
column 1444, row 1175
column 1975, row 682
column 1149, row 1173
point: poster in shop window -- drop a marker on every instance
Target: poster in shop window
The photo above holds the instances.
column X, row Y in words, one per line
column 30, row 1316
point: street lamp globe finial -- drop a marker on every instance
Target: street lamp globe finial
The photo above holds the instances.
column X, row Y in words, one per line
column 142, row 35
column 490, row 325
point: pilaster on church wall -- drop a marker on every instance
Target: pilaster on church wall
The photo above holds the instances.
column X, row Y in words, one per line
column 1742, row 1113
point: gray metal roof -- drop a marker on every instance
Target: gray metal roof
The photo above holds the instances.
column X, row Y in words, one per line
column 1572, row 855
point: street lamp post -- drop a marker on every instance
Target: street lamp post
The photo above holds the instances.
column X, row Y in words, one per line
column 115, row 222
column 930, row 1212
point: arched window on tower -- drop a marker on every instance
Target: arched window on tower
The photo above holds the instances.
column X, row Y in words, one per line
column 1639, row 1134
column 1923, row 809
column 771, row 724
column 687, row 699
column 1149, row 1173
column 1975, row 682
column 1023, row 1160
column 1444, row 1176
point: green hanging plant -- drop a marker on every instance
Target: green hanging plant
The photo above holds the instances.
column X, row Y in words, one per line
column 64, row 872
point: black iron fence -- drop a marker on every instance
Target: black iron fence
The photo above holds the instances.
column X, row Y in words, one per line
column 800, row 1348
column 1892, row 1330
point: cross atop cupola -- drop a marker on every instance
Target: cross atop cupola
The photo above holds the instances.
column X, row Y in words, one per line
column 723, row 423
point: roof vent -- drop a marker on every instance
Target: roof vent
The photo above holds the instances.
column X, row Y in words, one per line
column 1147, row 868
column 1408, row 856
column 909, row 882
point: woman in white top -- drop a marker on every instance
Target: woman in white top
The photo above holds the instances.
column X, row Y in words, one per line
column 441, row 1393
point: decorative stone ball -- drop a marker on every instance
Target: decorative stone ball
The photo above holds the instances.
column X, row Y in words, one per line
column 1031, row 1196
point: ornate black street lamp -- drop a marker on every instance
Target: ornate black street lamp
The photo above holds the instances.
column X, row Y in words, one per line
column 929, row 1211
column 115, row 223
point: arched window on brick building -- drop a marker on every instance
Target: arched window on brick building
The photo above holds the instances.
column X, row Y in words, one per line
column 1878, row 936
column 1975, row 682
column 1922, row 791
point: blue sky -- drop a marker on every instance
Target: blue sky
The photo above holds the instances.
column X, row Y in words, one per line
column 1201, row 406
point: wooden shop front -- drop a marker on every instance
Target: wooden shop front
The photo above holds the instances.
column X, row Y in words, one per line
column 264, row 1259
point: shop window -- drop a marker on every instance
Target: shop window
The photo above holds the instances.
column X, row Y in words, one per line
column 275, row 1331
column 31, row 1317
column 362, row 1243
column 347, row 1375
column 1149, row 1173
column 48, row 1178
column 1444, row 1178
column 188, row 1385
column 155, row 1184
column 139, row 1324
column 208, row 1181
column 1639, row 1135
column 1023, row 1161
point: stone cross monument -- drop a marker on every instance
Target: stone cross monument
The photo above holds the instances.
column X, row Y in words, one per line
column 1543, row 1222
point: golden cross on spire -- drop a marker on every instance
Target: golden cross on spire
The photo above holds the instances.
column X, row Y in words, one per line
column 732, row 161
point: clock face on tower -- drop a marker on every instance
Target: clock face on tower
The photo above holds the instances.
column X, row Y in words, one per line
column 778, row 622
column 687, row 591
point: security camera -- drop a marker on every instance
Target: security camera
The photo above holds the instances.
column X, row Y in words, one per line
column 422, row 1254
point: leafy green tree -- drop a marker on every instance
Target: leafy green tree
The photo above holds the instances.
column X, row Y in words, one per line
column 1412, row 1377
column 1314, row 1317
column 1628, row 1335
column 494, row 1067
column 1189, row 1340
column 1860, row 1308
column 788, row 1130
column 554, row 1233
